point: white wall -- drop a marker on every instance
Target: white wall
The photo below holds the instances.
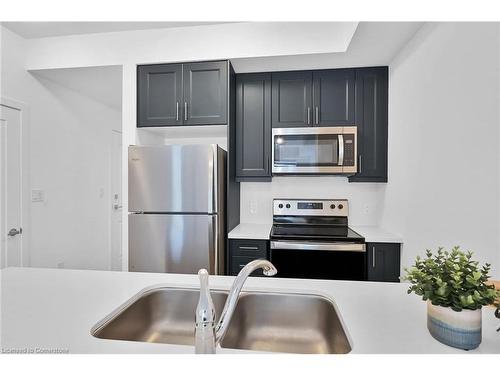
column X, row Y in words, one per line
column 183, row 135
column 1, row 59
column 364, row 198
column 443, row 187
column 70, row 162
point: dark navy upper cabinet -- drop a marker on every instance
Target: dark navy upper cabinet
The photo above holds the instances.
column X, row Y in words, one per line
column 292, row 99
column 371, row 119
column 253, row 127
column 205, row 93
column 313, row 98
column 333, row 97
column 182, row 94
column 159, row 95
column 383, row 261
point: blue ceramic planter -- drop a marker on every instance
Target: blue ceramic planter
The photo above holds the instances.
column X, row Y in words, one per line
column 457, row 329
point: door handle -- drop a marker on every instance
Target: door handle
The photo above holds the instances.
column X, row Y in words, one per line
column 177, row 111
column 317, row 115
column 308, row 115
column 14, row 232
column 373, row 256
column 359, row 164
column 117, row 207
column 185, row 111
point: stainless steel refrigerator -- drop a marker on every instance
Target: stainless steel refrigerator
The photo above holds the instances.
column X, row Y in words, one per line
column 176, row 205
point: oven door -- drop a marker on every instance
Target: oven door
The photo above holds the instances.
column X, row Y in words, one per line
column 319, row 260
column 326, row 150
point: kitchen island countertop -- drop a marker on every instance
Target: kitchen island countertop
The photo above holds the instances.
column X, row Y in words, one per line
column 56, row 309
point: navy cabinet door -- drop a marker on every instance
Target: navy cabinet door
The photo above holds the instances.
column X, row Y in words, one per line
column 159, row 95
column 292, row 99
column 243, row 251
column 383, row 261
column 205, row 93
column 333, row 97
column 371, row 119
column 253, row 127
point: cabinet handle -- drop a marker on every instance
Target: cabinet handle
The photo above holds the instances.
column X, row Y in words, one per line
column 308, row 115
column 185, row 111
column 373, row 256
column 359, row 157
column 249, row 247
column 317, row 115
column 177, row 111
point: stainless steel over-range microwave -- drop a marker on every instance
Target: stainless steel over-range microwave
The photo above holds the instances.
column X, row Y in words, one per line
column 315, row 150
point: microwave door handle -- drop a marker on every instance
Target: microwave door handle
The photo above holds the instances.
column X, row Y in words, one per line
column 341, row 149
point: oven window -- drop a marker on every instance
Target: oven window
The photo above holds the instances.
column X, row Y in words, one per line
column 303, row 264
column 306, row 150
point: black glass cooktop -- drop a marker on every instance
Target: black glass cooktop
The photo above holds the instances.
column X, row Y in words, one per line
column 314, row 232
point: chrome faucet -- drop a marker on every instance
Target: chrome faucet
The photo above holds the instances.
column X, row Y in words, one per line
column 207, row 334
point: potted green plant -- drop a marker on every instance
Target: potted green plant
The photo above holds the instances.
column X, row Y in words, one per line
column 453, row 284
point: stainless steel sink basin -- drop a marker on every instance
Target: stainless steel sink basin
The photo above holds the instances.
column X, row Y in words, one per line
column 290, row 323
column 275, row 322
column 161, row 315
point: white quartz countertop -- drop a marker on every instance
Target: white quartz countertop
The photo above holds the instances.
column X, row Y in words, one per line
column 56, row 309
column 262, row 231
column 249, row 231
column 376, row 234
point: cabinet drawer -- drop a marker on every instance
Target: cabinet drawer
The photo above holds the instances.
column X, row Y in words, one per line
column 248, row 248
column 237, row 263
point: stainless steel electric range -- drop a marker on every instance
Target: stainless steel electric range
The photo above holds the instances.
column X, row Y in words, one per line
column 311, row 239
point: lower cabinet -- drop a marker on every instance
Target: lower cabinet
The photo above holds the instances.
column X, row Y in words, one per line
column 243, row 251
column 383, row 261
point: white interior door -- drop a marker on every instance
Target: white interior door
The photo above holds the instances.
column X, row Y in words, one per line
column 10, row 188
column 116, row 201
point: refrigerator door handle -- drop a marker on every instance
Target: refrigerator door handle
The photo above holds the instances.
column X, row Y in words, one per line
column 213, row 241
column 212, row 180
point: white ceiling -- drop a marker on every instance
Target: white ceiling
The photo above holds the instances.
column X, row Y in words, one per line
column 30, row 30
column 373, row 43
column 101, row 83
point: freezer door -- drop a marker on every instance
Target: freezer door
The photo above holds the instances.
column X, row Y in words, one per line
column 174, row 178
column 173, row 243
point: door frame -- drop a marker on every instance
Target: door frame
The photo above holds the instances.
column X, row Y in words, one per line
column 110, row 199
column 25, row 176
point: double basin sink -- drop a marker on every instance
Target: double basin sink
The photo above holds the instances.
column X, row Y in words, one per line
column 272, row 322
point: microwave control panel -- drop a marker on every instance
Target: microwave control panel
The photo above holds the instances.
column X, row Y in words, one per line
column 349, row 148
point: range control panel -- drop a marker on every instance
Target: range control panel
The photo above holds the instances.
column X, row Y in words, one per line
column 310, row 207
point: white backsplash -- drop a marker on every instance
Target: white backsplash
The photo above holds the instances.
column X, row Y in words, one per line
column 365, row 199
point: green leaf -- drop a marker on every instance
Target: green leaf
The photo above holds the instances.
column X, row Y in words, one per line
column 451, row 279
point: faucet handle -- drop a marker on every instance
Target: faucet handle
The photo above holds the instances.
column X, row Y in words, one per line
column 205, row 311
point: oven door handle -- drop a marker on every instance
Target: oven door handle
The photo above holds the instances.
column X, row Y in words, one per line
column 334, row 246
